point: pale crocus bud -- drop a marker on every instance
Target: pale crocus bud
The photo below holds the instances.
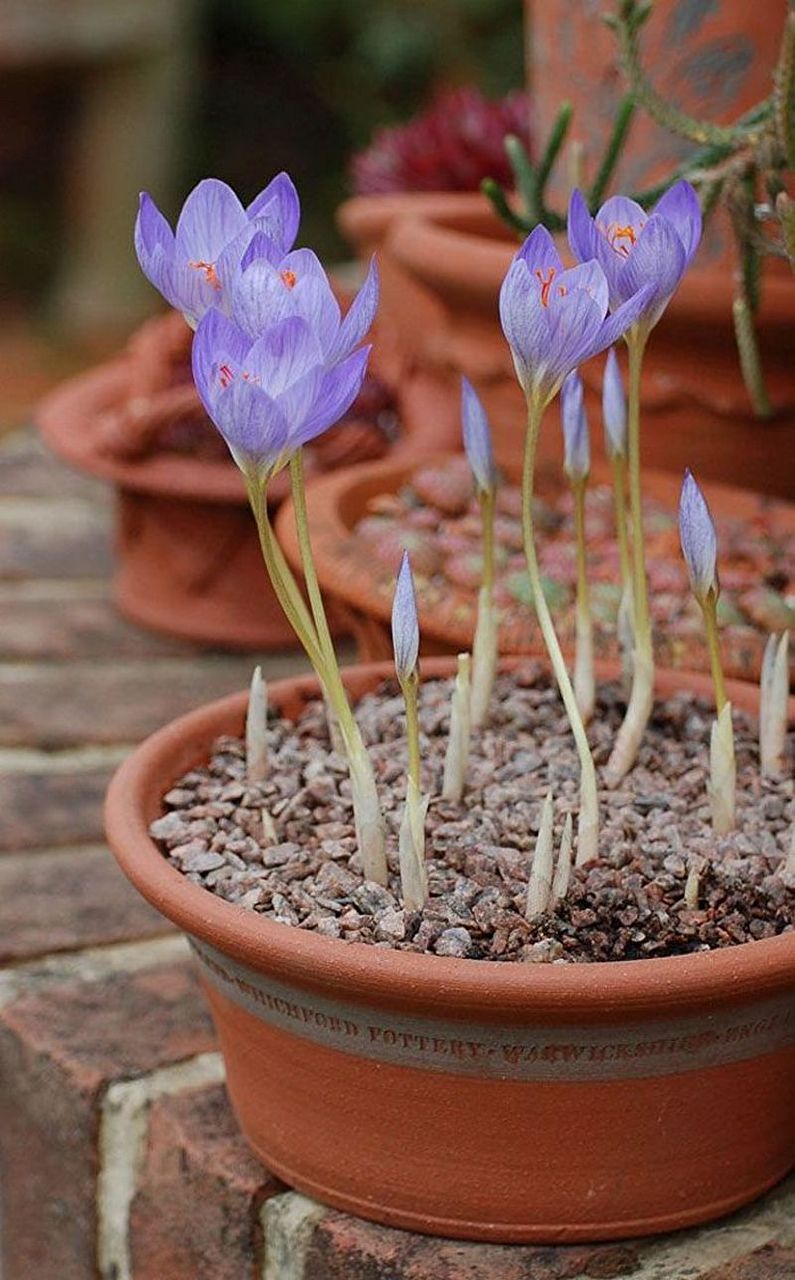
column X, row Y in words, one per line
column 722, row 772
column 560, row 884
column 699, row 541
column 773, row 705
column 257, row 762
column 477, row 438
column 540, row 883
column 576, row 444
column 405, row 627
column 614, row 408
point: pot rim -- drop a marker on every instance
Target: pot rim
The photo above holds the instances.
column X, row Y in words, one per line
column 616, row 991
column 338, row 492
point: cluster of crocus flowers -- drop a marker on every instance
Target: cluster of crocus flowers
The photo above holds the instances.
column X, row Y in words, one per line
column 275, row 364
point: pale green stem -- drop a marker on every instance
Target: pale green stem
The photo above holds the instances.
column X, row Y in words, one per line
column 639, row 708
column 709, row 610
column 619, row 465
column 410, row 688
column 588, row 833
column 584, row 685
column 484, row 645
column 486, row 498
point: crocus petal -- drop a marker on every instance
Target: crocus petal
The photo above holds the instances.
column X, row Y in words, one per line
column 151, row 230
column 260, row 246
column 258, row 297
column 659, row 258
column 585, row 241
column 211, row 216
column 539, row 252
column 283, row 354
column 217, row 342
column 588, row 276
column 405, row 627
column 616, row 214
column 525, row 323
column 577, row 452
column 359, row 318
column 253, row 425
column 681, row 208
column 339, row 388
column 698, row 538
column 477, row 438
column 614, row 407
column 277, row 211
column 574, row 330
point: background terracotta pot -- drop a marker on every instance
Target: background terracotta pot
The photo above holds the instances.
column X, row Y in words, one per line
column 353, row 577
column 477, row 1100
column 695, row 407
column 189, row 559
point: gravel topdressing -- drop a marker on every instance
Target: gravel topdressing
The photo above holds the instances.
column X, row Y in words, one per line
column 628, row 905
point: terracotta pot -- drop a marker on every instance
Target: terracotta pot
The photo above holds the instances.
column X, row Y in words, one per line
column 471, row 1099
column 364, row 586
column 695, row 407
column 189, row 559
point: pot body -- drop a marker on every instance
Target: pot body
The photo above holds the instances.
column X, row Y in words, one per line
column 466, row 1099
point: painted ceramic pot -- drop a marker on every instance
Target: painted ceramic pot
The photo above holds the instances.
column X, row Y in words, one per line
column 362, row 520
column 476, row 1100
column 188, row 555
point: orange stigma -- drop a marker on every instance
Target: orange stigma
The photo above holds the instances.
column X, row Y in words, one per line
column 546, row 284
column 289, row 278
column 616, row 233
column 210, row 273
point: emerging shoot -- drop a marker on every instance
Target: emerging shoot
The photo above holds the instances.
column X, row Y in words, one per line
column 406, row 645
column 773, row 700
column 457, row 755
column 539, row 885
column 477, row 443
column 560, row 883
column 577, row 465
column 614, row 420
column 257, row 762
column 700, row 549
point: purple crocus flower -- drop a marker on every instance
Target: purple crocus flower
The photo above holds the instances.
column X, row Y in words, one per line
column 577, row 450
column 266, row 289
column 634, row 248
column 699, row 540
column 193, row 266
column 477, row 438
column 614, row 407
column 270, row 395
column 556, row 319
column 405, row 627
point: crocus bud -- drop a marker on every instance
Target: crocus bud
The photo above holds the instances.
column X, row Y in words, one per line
column 405, row 627
column 257, row 762
column 614, row 408
column 477, row 438
column 560, row 883
column 539, row 885
column 699, row 542
column 577, row 451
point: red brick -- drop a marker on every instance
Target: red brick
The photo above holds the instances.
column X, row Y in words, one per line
column 83, row 624
column 771, row 1262
column 44, row 809
column 345, row 1248
column 52, row 707
column 62, row 901
column 196, row 1209
column 59, row 1049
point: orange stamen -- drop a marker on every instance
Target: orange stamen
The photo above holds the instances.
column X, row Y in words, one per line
column 616, row 232
column 225, row 374
column 210, row 273
column 546, row 284
column 289, row 278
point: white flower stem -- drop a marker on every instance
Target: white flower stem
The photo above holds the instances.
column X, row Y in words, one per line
column 584, row 683
column 639, row 708
column 625, row 622
column 539, row 886
column 589, row 812
column 722, row 772
column 257, row 762
column 773, row 705
column 484, row 647
column 710, row 615
column 411, row 840
column 457, row 754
